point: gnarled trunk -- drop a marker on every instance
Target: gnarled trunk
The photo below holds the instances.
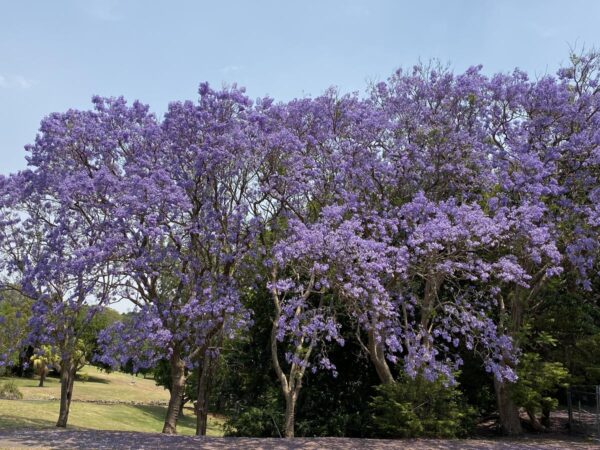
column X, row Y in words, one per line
column 202, row 397
column 67, row 378
column 508, row 410
column 289, row 387
column 510, row 420
column 177, row 391
column 534, row 421
column 290, row 414
column 377, row 355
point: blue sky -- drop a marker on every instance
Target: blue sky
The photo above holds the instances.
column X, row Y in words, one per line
column 55, row 55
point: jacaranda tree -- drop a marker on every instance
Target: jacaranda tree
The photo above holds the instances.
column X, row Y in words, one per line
column 49, row 252
column 431, row 215
column 193, row 208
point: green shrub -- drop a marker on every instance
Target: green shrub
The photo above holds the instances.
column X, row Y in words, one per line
column 83, row 377
column 253, row 422
column 537, row 385
column 419, row 408
column 263, row 420
column 10, row 391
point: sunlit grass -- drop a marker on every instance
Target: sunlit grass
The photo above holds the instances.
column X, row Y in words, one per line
column 115, row 386
column 39, row 408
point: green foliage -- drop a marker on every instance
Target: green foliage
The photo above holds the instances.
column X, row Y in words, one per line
column 573, row 319
column 249, row 393
column 90, row 328
column 83, row 377
column 338, row 405
column 15, row 310
column 477, row 385
column 419, row 408
column 81, row 353
column 538, row 381
column 10, row 391
column 587, row 358
column 45, row 356
column 262, row 420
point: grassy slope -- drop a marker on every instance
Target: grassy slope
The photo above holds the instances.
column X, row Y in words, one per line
column 115, row 386
column 39, row 408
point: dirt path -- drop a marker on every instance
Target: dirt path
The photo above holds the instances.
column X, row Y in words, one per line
column 74, row 439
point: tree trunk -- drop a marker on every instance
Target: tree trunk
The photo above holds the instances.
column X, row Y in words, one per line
column 177, row 391
column 508, row 410
column 181, row 406
column 545, row 416
column 535, row 423
column 202, row 397
column 43, row 374
column 377, row 356
column 510, row 421
column 290, row 414
column 291, row 384
column 67, row 377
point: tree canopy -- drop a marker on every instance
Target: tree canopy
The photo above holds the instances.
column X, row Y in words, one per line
column 427, row 220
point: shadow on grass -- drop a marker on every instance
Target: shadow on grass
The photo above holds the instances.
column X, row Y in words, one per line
column 17, row 422
column 33, row 380
column 158, row 413
column 188, row 420
column 84, row 378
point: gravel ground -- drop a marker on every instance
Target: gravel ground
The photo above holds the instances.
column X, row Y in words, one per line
column 75, row 439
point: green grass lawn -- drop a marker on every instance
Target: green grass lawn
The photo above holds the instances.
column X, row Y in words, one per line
column 115, row 386
column 39, row 407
